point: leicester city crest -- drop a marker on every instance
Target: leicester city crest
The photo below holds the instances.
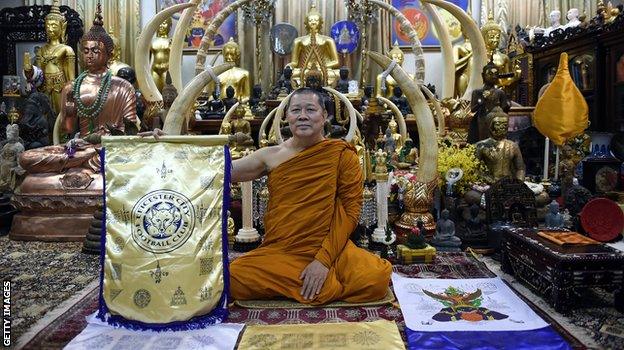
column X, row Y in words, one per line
column 163, row 220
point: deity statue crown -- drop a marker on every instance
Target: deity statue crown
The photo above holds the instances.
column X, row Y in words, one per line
column 490, row 25
column 98, row 33
column 55, row 13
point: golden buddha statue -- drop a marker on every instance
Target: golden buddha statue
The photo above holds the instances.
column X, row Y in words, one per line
column 160, row 53
column 491, row 32
column 396, row 136
column 314, row 52
column 115, row 63
column 240, row 127
column 396, row 54
column 55, row 62
column 501, row 156
column 237, row 77
column 462, row 56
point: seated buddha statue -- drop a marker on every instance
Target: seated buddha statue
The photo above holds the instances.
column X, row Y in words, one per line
column 160, row 53
column 501, row 156
column 239, row 126
column 396, row 54
column 96, row 102
column 54, row 62
column 394, row 132
column 314, row 51
column 237, row 77
column 509, row 75
column 343, row 83
column 115, row 63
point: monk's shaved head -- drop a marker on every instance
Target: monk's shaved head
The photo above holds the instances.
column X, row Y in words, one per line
column 321, row 96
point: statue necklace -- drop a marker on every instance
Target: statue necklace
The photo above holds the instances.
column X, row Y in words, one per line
column 92, row 111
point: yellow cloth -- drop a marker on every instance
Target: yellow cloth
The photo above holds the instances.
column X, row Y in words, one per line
column 561, row 113
column 164, row 200
column 375, row 335
column 314, row 206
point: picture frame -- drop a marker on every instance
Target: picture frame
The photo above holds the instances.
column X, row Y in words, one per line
column 199, row 23
column 423, row 24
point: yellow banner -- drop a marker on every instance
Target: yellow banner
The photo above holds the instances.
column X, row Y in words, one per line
column 164, row 203
column 375, row 335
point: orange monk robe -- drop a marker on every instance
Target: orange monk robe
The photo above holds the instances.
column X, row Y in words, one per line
column 314, row 206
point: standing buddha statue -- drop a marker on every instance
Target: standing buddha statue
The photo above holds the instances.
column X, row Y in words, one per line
column 54, row 62
column 491, row 32
column 115, row 63
column 314, row 52
column 160, row 53
column 396, row 136
column 396, row 54
column 462, row 56
column 236, row 77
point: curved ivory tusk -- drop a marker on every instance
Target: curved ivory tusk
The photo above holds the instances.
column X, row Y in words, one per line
column 228, row 114
column 352, row 117
column 438, row 110
column 262, row 132
column 56, row 132
column 278, row 118
column 479, row 56
column 407, row 28
column 141, row 59
column 202, row 52
column 398, row 114
column 177, row 45
column 185, row 100
column 448, row 72
column 359, row 116
column 428, row 146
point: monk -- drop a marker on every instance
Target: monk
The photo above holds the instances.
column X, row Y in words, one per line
column 315, row 188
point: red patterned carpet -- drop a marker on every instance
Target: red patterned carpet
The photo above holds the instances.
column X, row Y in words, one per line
column 450, row 265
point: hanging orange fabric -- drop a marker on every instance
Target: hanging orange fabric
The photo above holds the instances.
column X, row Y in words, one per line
column 314, row 207
column 561, row 113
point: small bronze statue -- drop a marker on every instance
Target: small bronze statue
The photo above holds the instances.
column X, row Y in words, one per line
column 229, row 99
column 343, row 83
column 400, row 101
column 444, row 238
column 256, row 102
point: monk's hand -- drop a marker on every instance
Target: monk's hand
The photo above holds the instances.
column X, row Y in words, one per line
column 157, row 133
column 313, row 277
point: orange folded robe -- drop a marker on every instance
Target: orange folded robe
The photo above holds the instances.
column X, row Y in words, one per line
column 314, row 206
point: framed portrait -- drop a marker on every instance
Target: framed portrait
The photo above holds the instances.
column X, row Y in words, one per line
column 421, row 21
column 207, row 10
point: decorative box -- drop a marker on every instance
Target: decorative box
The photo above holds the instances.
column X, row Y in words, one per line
column 406, row 255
